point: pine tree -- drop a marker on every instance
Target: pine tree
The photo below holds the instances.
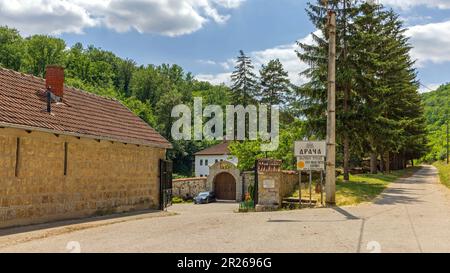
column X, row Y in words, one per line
column 387, row 86
column 378, row 105
column 275, row 85
column 314, row 93
column 244, row 80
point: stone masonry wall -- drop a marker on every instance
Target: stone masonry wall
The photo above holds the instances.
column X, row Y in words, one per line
column 289, row 184
column 101, row 177
column 248, row 178
column 189, row 187
column 284, row 184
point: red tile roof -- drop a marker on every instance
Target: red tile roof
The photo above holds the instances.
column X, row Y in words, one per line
column 220, row 149
column 23, row 105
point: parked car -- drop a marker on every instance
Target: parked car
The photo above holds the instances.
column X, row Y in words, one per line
column 205, row 198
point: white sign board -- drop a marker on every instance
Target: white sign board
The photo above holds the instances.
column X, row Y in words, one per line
column 269, row 184
column 310, row 149
column 310, row 155
column 317, row 164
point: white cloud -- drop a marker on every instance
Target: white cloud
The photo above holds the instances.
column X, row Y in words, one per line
column 285, row 53
column 429, row 87
column 230, row 4
column 166, row 17
column 215, row 78
column 207, row 62
column 227, row 65
column 44, row 16
column 287, row 56
column 407, row 4
column 431, row 42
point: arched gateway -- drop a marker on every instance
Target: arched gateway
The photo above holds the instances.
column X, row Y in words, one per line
column 225, row 180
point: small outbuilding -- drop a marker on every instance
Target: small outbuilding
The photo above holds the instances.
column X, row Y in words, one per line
column 66, row 153
column 212, row 155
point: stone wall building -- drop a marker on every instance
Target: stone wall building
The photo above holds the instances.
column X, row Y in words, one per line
column 205, row 159
column 229, row 184
column 66, row 153
column 187, row 188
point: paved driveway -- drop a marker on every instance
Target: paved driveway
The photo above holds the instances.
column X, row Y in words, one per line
column 413, row 215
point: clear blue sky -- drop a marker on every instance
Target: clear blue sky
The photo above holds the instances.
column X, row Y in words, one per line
column 204, row 35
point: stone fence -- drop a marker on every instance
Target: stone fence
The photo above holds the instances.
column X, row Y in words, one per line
column 187, row 188
column 274, row 186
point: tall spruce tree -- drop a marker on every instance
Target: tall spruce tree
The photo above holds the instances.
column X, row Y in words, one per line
column 314, row 93
column 274, row 83
column 378, row 105
column 245, row 85
column 388, row 87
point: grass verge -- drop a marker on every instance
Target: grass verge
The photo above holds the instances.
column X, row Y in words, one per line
column 361, row 188
column 444, row 172
column 179, row 200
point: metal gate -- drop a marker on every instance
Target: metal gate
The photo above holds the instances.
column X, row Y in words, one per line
column 255, row 187
column 165, row 184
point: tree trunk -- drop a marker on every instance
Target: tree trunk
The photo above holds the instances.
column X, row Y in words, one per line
column 395, row 162
column 388, row 162
column 346, row 159
column 373, row 163
column 382, row 163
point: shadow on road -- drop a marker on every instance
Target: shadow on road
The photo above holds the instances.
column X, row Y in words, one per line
column 348, row 217
column 347, row 214
column 114, row 218
column 399, row 195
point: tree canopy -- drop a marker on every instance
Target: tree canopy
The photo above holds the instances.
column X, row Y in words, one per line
column 437, row 114
column 378, row 104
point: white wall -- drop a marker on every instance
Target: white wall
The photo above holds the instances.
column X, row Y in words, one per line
column 203, row 170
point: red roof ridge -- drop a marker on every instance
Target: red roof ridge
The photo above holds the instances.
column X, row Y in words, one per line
column 218, row 149
column 90, row 93
column 20, row 73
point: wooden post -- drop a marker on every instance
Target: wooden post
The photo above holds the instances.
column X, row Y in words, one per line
column 310, row 189
column 331, row 119
column 321, row 188
column 300, row 191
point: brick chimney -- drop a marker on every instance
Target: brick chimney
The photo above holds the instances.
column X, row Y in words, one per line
column 54, row 80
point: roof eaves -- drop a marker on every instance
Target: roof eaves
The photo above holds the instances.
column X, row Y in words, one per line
column 44, row 130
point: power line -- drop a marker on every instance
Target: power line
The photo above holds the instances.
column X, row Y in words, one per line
column 423, row 85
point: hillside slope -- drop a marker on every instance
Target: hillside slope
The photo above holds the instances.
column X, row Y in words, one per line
column 437, row 112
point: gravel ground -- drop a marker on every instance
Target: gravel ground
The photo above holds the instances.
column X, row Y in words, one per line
column 412, row 215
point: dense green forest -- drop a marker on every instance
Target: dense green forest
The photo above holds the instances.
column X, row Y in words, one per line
column 150, row 91
column 379, row 110
column 437, row 113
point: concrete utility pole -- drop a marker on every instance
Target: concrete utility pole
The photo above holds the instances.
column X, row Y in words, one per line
column 330, row 185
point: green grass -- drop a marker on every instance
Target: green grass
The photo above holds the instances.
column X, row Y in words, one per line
column 444, row 172
column 361, row 188
column 178, row 200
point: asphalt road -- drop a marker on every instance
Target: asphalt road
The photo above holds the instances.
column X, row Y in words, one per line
column 413, row 215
